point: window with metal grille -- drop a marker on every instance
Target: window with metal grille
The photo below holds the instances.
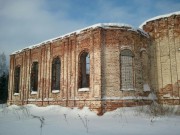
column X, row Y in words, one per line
column 126, row 70
column 34, row 76
column 56, row 73
column 16, row 79
column 84, row 72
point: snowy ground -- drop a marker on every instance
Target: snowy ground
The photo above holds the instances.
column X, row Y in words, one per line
column 56, row 120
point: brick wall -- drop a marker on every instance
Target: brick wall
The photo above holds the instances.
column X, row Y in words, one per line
column 68, row 49
column 114, row 42
column 104, row 46
column 165, row 54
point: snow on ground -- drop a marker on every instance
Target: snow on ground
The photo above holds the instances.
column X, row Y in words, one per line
column 56, row 120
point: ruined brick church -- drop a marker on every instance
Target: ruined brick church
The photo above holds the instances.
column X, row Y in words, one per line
column 103, row 67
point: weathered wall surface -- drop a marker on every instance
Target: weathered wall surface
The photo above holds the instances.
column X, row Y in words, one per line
column 165, row 57
column 114, row 42
column 155, row 62
column 68, row 49
column 104, row 46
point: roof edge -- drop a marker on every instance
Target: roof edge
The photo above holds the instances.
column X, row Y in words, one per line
column 98, row 25
column 159, row 17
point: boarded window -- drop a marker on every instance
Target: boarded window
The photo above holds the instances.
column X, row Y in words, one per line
column 34, row 76
column 145, row 70
column 84, row 70
column 16, row 79
column 56, row 73
column 126, row 70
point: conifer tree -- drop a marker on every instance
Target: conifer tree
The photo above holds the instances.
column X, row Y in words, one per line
column 3, row 88
column 3, row 79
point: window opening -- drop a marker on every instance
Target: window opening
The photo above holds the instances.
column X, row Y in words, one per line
column 16, row 79
column 56, row 66
column 127, row 70
column 84, row 73
column 34, row 76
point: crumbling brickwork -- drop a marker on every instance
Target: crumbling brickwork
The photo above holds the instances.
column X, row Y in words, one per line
column 104, row 46
column 114, row 42
column 68, row 49
column 125, row 66
column 165, row 54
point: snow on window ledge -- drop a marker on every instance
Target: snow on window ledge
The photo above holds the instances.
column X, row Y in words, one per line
column 16, row 94
column 55, row 91
column 83, row 89
column 33, row 92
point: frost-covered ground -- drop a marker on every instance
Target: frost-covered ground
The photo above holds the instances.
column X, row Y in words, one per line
column 56, row 120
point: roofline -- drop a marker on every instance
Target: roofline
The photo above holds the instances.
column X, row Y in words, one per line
column 99, row 25
column 158, row 17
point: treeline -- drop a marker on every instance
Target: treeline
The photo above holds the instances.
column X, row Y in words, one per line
column 3, row 79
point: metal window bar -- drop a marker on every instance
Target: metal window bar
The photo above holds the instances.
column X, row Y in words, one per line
column 126, row 70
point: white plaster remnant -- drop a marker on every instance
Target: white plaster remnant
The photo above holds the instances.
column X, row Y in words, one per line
column 48, row 99
column 167, row 96
column 146, row 87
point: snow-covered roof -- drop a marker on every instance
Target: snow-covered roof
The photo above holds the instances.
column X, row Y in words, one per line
column 159, row 17
column 99, row 25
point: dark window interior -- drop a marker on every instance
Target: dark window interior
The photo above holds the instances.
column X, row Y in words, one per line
column 56, row 71
column 34, row 76
column 84, row 72
column 16, row 79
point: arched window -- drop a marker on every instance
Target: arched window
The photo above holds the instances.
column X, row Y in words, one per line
column 56, row 73
column 84, row 70
column 34, row 76
column 16, row 79
column 126, row 70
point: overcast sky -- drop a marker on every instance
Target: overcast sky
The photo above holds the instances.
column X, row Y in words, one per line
column 27, row 22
